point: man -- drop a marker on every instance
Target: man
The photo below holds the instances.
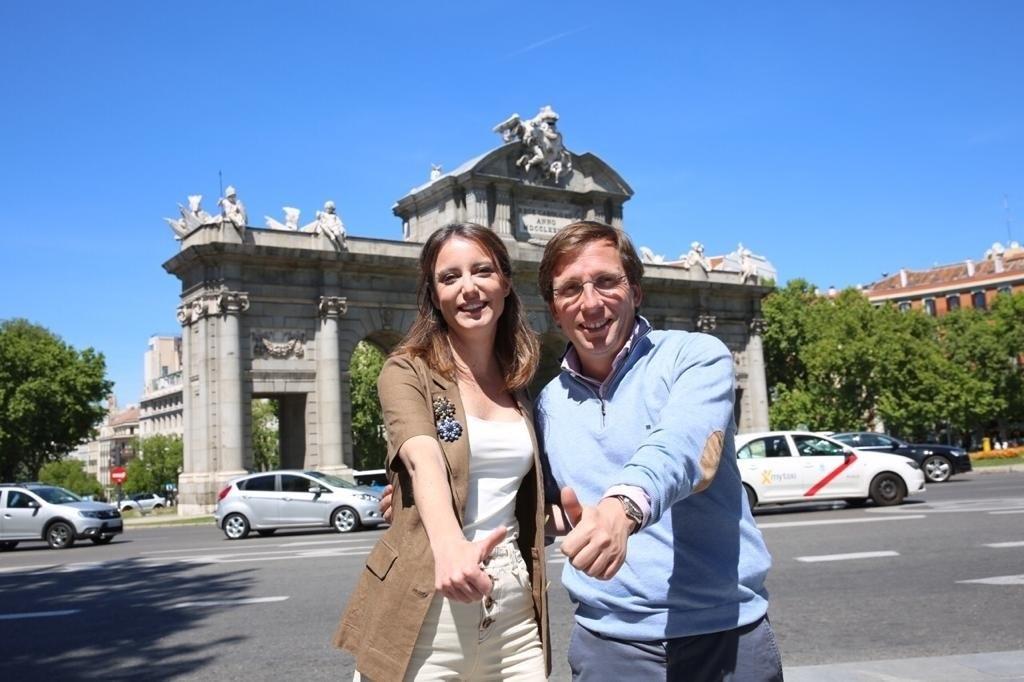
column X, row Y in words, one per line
column 639, row 425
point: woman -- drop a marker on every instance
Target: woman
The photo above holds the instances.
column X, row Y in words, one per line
column 455, row 587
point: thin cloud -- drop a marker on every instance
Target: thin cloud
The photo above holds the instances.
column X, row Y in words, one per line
column 545, row 41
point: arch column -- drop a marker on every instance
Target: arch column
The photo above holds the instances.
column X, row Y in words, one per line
column 328, row 377
column 757, row 386
column 231, row 417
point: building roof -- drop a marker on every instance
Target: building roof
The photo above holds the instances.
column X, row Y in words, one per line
column 955, row 275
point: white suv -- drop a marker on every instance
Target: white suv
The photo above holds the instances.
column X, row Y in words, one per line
column 33, row 511
column 798, row 466
column 271, row 500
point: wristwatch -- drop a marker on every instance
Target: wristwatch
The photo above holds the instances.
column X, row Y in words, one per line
column 633, row 512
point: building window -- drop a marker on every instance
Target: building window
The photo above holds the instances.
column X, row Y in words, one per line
column 904, row 306
column 953, row 302
column 978, row 300
column 1006, row 289
column 929, row 306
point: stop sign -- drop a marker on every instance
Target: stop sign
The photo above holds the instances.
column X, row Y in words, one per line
column 118, row 475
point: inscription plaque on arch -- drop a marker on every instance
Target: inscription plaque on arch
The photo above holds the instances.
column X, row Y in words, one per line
column 542, row 219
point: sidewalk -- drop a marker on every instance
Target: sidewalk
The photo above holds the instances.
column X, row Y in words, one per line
column 999, row 665
column 151, row 520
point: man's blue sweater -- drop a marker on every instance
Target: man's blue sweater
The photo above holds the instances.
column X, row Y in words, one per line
column 659, row 422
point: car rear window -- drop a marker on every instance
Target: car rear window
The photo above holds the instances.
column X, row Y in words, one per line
column 257, row 483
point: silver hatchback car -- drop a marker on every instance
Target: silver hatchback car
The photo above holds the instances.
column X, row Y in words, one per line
column 33, row 511
column 270, row 500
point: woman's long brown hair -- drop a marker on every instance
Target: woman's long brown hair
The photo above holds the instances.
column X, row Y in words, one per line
column 515, row 345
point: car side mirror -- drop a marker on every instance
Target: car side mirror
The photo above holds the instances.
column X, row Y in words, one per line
column 317, row 490
column 32, row 504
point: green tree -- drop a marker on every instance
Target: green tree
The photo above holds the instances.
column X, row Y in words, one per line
column 157, row 463
column 50, row 397
column 70, row 474
column 266, row 441
column 367, row 437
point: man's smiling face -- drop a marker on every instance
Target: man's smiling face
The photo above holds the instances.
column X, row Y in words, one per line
column 599, row 320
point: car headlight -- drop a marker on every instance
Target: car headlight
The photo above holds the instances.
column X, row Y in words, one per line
column 90, row 514
column 912, row 464
column 959, row 452
column 368, row 498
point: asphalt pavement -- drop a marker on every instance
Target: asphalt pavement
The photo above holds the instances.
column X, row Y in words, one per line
column 939, row 601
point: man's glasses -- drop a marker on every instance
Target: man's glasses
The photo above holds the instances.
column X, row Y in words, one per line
column 604, row 285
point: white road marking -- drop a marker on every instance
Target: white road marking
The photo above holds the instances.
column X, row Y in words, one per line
column 240, row 546
column 1015, row 511
column 845, row 557
column 1002, row 504
column 30, row 567
column 998, row 580
column 83, row 566
column 830, row 522
column 261, row 556
column 228, row 602
column 37, row 614
column 1001, row 545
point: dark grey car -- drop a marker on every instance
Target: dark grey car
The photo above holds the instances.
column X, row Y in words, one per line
column 939, row 462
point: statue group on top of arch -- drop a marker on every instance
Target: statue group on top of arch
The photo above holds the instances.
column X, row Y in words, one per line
column 542, row 142
column 328, row 223
column 741, row 261
column 232, row 213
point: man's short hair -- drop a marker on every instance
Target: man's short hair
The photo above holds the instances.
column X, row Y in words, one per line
column 572, row 239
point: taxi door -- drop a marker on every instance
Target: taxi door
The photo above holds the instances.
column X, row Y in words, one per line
column 826, row 467
column 769, row 466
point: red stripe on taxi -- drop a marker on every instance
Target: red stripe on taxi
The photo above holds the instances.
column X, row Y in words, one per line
column 831, row 476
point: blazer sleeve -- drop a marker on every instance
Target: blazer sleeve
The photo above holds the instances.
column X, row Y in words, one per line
column 405, row 404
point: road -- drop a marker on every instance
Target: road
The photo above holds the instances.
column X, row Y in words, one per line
column 940, row 575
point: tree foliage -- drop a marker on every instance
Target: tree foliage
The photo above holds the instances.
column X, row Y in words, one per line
column 157, row 463
column 841, row 363
column 70, row 474
column 266, row 440
column 50, row 397
column 367, row 438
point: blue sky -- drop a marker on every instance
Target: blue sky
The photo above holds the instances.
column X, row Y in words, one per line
column 839, row 139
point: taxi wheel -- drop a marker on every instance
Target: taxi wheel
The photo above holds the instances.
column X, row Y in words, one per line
column 60, row 535
column 102, row 539
column 887, row 490
column 751, row 497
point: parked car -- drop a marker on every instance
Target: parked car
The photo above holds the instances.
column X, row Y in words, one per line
column 798, row 466
column 33, row 511
column 938, row 462
column 142, row 502
column 270, row 500
column 372, row 478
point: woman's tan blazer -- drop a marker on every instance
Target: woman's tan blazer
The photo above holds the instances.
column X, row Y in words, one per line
column 386, row 612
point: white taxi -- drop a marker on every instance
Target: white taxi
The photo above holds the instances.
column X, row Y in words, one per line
column 798, row 466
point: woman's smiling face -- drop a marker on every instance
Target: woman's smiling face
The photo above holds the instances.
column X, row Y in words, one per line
column 467, row 288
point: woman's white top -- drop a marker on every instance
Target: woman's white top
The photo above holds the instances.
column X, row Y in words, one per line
column 500, row 454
